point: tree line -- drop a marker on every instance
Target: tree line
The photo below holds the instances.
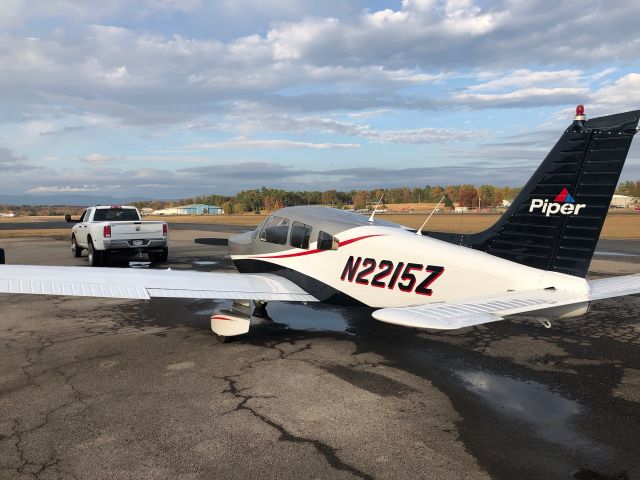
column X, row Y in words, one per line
column 629, row 188
column 272, row 198
column 269, row 199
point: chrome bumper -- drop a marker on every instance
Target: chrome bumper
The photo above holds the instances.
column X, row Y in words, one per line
column 129, row 244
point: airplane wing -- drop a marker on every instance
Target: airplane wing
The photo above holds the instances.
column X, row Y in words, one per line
column 450, row 316
column 145, row 284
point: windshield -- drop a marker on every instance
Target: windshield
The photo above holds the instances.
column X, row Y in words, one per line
column 115, row 214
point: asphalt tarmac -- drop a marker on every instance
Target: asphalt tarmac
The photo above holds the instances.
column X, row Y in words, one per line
column 57, row 224
column 97, row 389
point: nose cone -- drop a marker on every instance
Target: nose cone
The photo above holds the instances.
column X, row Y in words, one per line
column 241, row 244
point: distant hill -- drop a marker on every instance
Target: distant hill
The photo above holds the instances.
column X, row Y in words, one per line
column 66, row 199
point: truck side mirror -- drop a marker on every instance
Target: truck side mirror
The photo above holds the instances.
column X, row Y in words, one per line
column 67, row 218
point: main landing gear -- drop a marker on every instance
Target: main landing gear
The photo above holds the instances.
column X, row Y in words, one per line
column 231, row 322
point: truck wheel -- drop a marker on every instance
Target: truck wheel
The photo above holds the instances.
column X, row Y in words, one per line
column 94, row 256
column 75, row 249
column 159, row 256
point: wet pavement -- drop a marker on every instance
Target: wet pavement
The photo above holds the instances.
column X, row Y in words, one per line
column 124, row 389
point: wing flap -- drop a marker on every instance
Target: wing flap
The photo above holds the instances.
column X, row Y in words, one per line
column 450, row 316
column 144, row 284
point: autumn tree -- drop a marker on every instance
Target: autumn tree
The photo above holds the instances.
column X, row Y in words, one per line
column 487, row 194
column 360, row 200
column 468, row 196
column 330, row 197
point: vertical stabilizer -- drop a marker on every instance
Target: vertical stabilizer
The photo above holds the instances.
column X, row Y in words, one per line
column 555, row 222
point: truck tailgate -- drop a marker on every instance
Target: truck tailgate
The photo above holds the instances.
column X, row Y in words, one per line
column 136, row 230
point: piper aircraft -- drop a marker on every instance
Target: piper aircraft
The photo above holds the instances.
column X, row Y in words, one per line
column 533, row 261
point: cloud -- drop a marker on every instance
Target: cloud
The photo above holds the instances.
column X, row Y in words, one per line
column 143, row 76
column 241, row 143
column 63, row 130
column 252, row 117
column 12, row 164
column 73, row 189
column 525, row 88
column 622, row 94
column 98, row 159
column 146, row 77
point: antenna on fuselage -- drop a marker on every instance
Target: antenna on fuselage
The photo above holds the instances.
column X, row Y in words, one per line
column 375, row 209
column 419, row 232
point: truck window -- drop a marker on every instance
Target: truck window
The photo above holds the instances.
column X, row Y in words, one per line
column 326, row 241
column 116, row 215
column 300, row 234
column 275, row 230
column 83, row 216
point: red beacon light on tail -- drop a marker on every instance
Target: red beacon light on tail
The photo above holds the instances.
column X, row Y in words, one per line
column 580, row 116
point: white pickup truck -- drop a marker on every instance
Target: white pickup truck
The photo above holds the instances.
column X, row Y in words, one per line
column 106, row 230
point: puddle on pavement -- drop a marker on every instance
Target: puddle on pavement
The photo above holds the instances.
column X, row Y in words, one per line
column 204, row 262
column 549, row 414
column 139, row 264
column 295, row 316
column 307, row 317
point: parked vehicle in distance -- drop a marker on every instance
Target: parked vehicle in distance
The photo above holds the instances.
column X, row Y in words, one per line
column 117, row 230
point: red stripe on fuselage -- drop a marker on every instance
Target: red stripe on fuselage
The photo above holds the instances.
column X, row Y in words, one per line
column 311, row 252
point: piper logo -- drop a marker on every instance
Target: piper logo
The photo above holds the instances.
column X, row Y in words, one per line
column 563, row 204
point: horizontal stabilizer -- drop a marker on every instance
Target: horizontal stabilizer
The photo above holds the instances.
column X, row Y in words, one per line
column 614, row 287
column 450, row 316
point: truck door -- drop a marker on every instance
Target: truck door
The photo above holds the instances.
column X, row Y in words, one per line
column 82, row 228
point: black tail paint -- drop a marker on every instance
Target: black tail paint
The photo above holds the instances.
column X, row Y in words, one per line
column 555, row 221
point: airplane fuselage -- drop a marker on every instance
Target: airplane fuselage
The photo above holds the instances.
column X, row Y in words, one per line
column 382, row 265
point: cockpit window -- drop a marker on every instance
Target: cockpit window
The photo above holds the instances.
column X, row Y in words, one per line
column 326, row 241
column 275, row 230
column 300, row 234
column 255, row 233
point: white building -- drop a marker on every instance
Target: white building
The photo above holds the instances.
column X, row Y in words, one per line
column 624, row 201
column 195, row 209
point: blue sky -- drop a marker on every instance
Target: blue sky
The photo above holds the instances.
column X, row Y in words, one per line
column 173, row 98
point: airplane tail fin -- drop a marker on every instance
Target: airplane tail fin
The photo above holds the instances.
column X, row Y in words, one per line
column 555, row 221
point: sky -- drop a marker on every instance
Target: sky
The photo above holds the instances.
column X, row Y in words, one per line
column 177, row 98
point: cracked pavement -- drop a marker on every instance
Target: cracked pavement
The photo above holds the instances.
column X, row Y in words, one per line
column 94, row 388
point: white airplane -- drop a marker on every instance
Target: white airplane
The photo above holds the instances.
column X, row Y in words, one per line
column 532, row 261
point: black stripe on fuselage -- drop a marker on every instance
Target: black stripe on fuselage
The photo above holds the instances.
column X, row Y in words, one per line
column 313, row 286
